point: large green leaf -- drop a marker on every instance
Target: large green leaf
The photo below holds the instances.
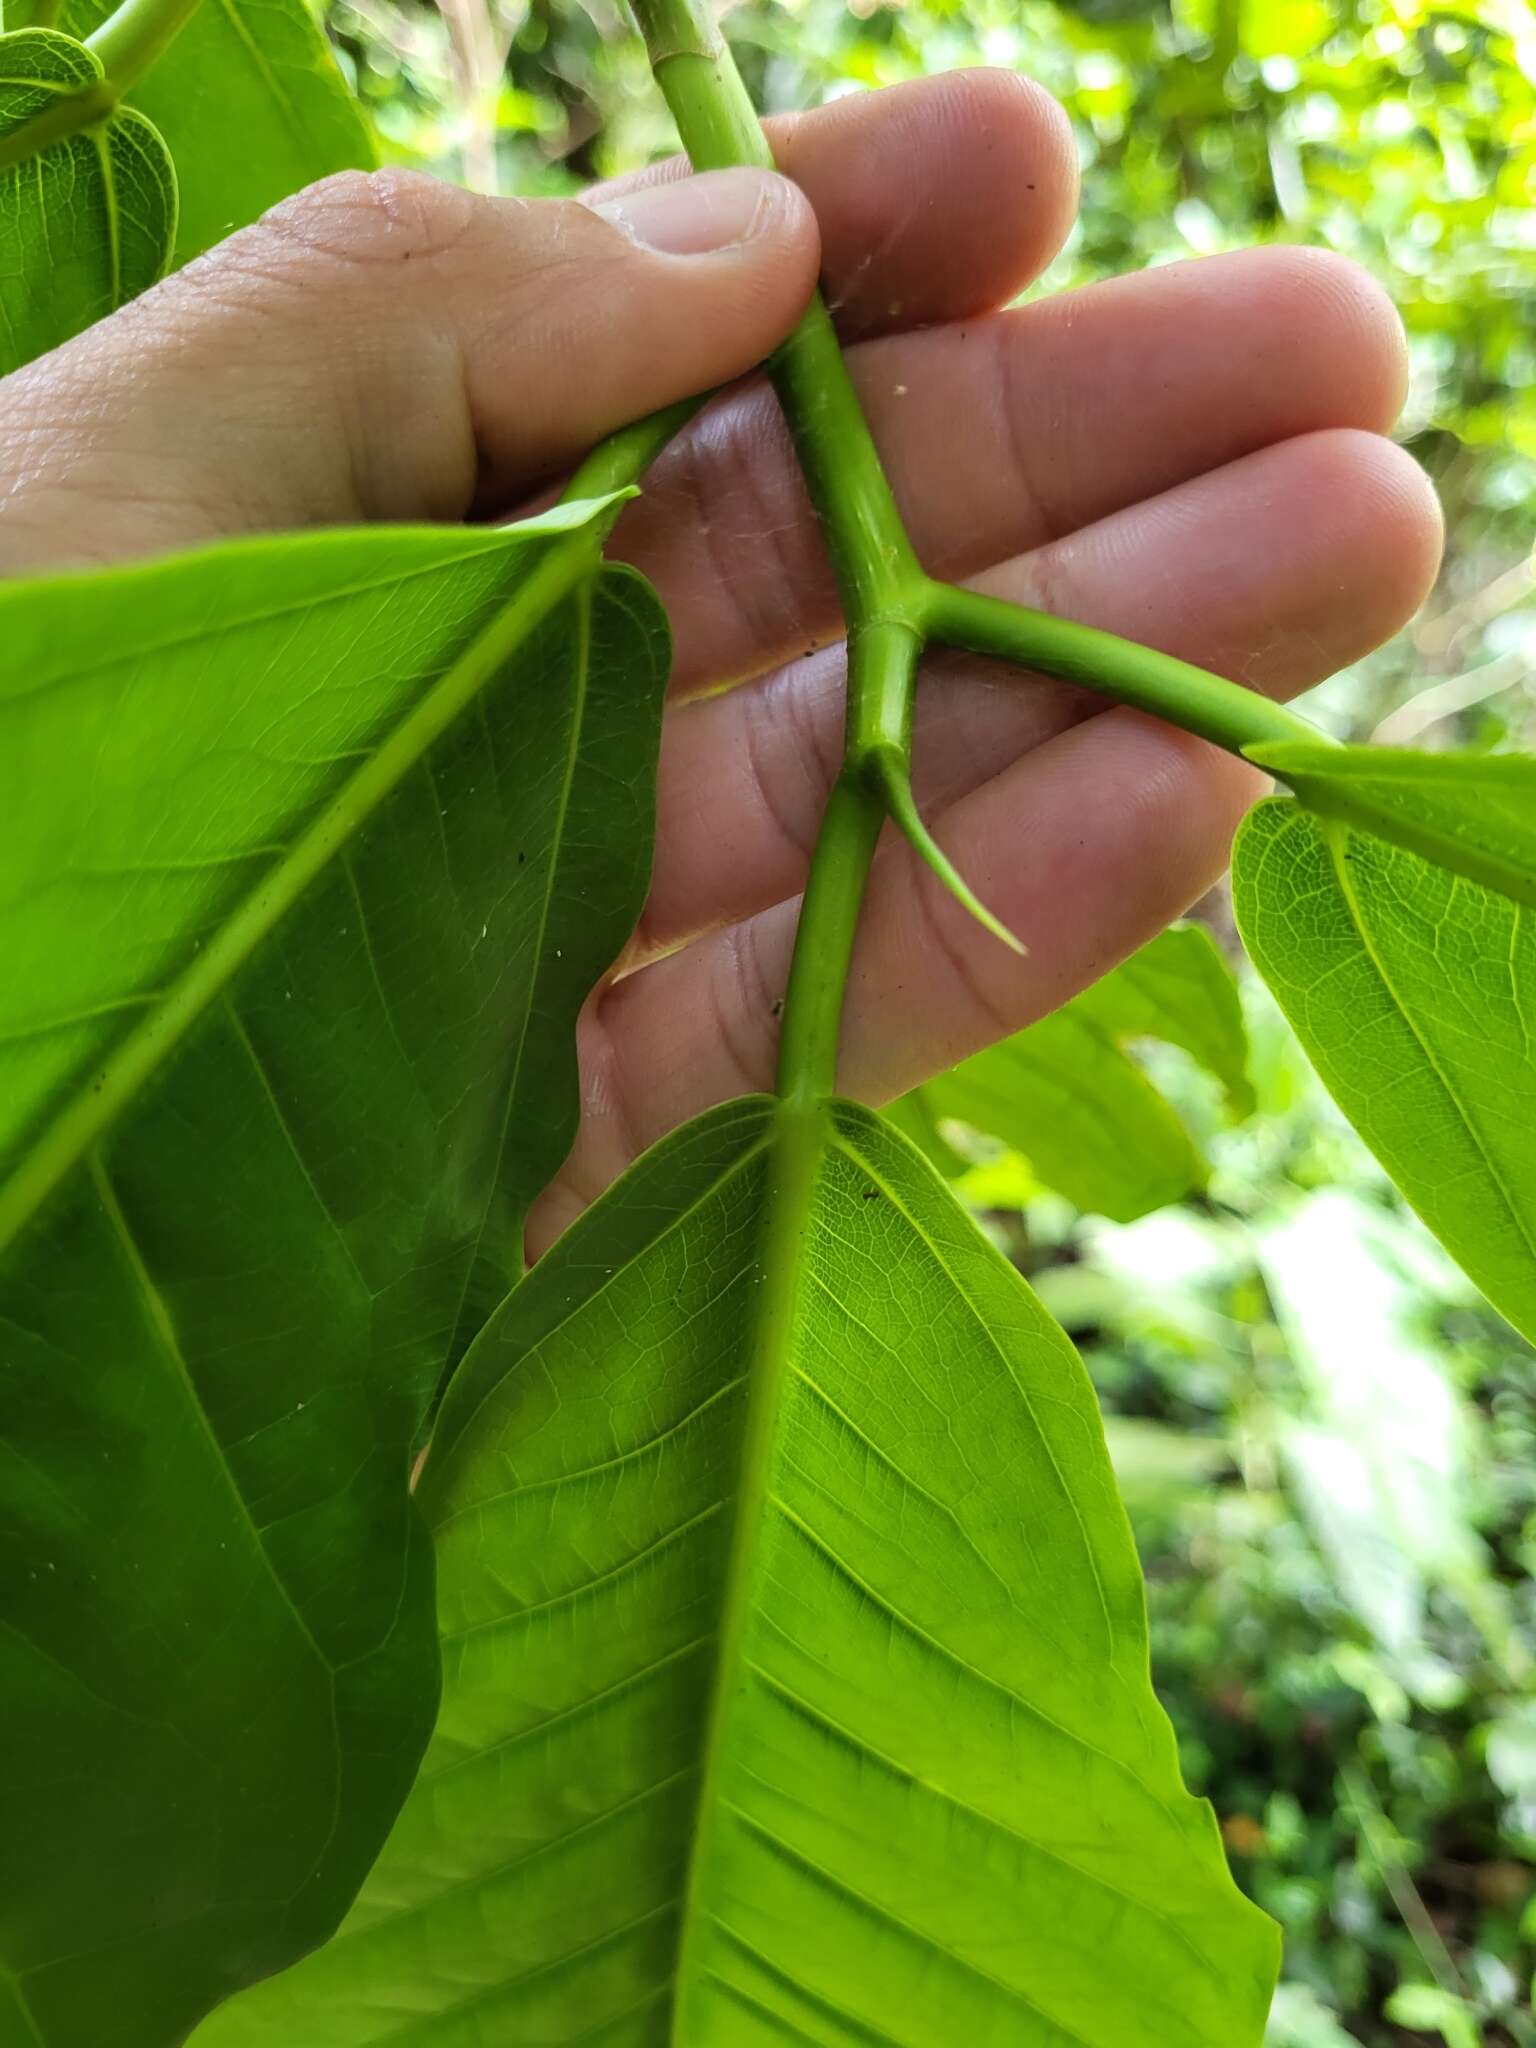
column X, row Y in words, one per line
column 1086, row 1117
column 1414, row 991
column 252, row 105
column 1178, row 989
column 1066, row 1094
column 795, row 1656
column 88, row 222
column 1474, row 814
column 313, row 848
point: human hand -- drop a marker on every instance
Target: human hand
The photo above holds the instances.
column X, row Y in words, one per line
column 1191, row 457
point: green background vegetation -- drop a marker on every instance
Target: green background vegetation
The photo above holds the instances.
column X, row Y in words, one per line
column 1328, row 1441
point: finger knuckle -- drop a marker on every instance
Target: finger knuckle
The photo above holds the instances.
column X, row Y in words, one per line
column 371, row 217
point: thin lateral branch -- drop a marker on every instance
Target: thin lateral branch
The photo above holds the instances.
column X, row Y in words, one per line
column 1217, row 710
column 618, row 463
column 130, row 39
column 1402, row 1890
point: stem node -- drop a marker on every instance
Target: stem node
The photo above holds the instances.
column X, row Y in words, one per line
column 891, row 608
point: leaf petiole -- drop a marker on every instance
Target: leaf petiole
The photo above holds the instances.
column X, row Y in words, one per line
column 1218, row 710
column 133, row 36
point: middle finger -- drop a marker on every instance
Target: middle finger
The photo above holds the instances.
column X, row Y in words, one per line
column 1005, row 433
column 1276, row 570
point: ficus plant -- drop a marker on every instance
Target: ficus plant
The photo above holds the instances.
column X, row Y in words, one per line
column 728, row 1631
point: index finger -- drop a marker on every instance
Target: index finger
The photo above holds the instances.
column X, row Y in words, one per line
column 936, row 199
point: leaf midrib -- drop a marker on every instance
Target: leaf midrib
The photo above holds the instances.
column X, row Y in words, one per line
column 799, row 1140
column 803, row 1137
column 581, row 689
column 158, row 1316
column 19, row 2000
column 96, row 1103
column 292, row 119
column 1335, row 837
column 18, row 594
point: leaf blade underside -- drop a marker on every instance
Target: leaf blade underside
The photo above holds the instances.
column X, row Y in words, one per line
column 1179, row 989
column 86, row 224
column 1413, row 990
column 1472, row 814
column 1067, row 1095
column 792, row 1692
column 252, row 107
column 222, row 1322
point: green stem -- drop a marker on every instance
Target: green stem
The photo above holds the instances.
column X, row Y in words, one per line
column 876, row 569
column 829, row 917
column 618, row 463
column 130, row 39
column 878, row 576
column 1202, row 703
column 63, row 117
column 890, row 608
column 882, row 664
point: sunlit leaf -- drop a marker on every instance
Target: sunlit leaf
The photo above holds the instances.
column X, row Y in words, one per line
column 313, row 848
column 1430, row 2008
column 88, row 222
column 1414, row 991
column 1180, row 991
column 1473, row 814
column 1157, row 1465
column 1067, row 1096
column 252, row 106
column 1300, row 2020
column 1086, row 1117
column 795, row 1656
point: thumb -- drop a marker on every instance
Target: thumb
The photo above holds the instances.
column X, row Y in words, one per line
column 388, row 347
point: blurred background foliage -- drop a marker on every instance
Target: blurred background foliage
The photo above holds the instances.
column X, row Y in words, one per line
column 1326, row 1439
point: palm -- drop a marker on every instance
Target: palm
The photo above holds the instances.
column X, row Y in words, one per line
column 1190, row 457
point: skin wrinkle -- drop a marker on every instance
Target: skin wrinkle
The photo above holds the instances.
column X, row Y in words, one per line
column 715, row 491
column 607, row 1099
column 365, row 217
column 1011, row 411
column 742, row 1011
column 812, row 747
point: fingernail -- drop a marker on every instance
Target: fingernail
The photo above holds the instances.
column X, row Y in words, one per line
column 714, row 210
